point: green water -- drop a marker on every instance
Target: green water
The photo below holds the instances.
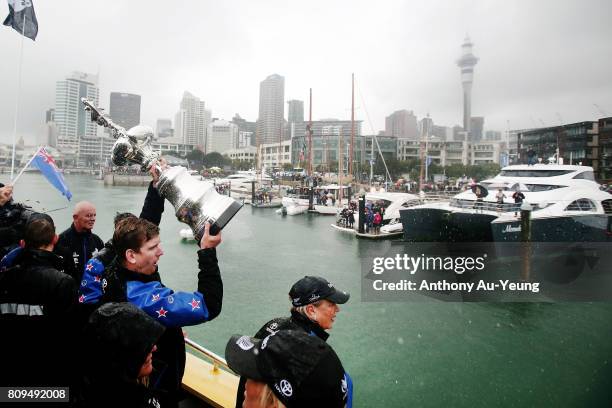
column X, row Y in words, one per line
column 423, row 354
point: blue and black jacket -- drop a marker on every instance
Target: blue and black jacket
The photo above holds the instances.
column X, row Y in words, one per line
column 172, row 309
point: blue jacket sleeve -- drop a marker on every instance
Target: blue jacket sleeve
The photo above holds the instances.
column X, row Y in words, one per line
column 8, row 259
column 91, row 287
column 172, row 309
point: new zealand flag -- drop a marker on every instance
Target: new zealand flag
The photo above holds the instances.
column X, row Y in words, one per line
column 22, row 18
column 45, row 163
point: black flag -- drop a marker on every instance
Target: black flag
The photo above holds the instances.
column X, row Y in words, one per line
column 21, row 13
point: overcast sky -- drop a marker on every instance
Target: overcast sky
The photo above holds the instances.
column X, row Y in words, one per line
column 540, row 61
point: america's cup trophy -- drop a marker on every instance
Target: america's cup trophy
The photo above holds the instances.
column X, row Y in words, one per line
column 195, row 201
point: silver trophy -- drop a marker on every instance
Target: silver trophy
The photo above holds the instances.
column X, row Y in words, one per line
column 196, row 201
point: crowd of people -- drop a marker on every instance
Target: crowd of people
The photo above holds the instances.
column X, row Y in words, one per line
column 374, row 212
column 95, row 316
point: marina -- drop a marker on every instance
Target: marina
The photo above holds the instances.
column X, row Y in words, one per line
column 418, row 351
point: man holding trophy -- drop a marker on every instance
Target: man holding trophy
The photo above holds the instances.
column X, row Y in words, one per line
column 132, row 276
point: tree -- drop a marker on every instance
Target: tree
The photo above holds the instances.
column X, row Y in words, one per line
column 215, row 159
column 195, row 156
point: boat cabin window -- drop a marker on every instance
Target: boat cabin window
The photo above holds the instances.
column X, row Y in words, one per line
column 583, row 204
column 534, row 173
column 542, row 187
column 585, row 175
column 607, row 206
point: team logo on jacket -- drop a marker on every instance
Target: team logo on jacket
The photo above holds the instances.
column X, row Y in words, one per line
column 161, row 312
column 195, row 304
column 155, row 297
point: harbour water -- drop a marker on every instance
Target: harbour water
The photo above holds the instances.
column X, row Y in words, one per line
column 425, row 354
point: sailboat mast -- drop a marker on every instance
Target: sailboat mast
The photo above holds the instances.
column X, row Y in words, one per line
column 310, row 136
column 340, row 164
column 352, row 156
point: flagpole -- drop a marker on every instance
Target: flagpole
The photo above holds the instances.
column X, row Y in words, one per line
column 17, row 102
column 26, row 166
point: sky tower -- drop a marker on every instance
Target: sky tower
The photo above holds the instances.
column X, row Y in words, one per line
column 467, row 63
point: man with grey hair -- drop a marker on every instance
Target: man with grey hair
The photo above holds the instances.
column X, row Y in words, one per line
column 78, row 243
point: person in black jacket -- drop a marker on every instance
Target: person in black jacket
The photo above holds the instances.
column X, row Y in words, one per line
column 36, row 309
column 13, row 217
column 314, row 303
column 78, row 243
column 133, row 278
column 116, row 374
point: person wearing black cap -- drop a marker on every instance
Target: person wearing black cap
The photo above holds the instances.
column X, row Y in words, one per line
column 314, row 303
column 37, row 303
column 289, row 369
column 122, row 339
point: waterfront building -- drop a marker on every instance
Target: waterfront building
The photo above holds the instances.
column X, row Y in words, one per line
column 401, row 124
column 94, row 151
column 222, row 136
column 486, row 152
column 326, row 150
column 270, row 122
column 125, row 109
column 576, row 143
column 174, row 148
column 467, row 62
column 604, row 126
column 72, row 120
column 243, row 154
column 442, row 152
column 274, row 155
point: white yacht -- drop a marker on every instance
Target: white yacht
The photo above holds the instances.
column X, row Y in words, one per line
column 241, row 181
column 567, row 205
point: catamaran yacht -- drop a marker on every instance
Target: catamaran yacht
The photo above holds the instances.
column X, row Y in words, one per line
column 567, row 206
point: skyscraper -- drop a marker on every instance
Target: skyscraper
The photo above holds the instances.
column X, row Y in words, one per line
column 125, row 109
column 271, row 109
column 192, row 121
column 73, row 122
column 401, row 124
column 295, row 111
column 467, row 63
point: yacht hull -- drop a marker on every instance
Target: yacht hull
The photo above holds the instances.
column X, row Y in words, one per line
column 584, row 228
column 443, row 225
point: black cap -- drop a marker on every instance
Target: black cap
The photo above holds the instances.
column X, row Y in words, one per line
column 311, row 289
column 301, row 370
column 123, row 336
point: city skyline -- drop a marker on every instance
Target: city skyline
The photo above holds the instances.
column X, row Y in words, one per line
column 533, row 70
